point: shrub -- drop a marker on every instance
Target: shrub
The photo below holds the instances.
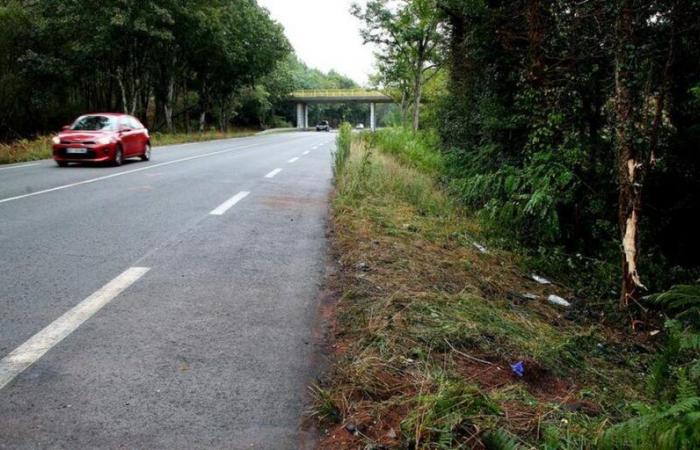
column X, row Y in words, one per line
column 674, row 423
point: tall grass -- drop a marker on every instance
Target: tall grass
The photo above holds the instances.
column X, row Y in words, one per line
column 25, row 150
column 420, row 150
column 342, row 152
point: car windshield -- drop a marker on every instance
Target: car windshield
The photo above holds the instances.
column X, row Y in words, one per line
column 94, row 123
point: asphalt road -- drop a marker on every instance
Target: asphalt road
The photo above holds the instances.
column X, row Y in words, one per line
column 165, row 304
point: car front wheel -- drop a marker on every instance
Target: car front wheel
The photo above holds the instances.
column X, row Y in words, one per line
column 118, row 157
column 62, row 163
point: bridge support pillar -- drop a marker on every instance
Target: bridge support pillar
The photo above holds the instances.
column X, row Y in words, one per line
column 300, row 115
column 306, row 115
column 372, row 119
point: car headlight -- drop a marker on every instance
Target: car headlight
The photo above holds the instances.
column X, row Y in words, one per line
column 104, row 141
column 56, row 140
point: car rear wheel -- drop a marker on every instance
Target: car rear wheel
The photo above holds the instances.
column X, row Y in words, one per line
column 118, row 157
column 146, row 152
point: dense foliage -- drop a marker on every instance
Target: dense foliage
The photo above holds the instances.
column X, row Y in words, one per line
column 563, row 121
column 165, row 61
column 178, row 65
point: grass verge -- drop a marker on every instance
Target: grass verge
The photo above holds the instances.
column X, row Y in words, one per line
column 427, row 327
column 40, row 148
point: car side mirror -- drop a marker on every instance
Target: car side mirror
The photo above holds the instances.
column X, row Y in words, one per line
column 65, row 127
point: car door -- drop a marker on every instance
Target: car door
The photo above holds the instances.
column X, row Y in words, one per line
column 141, row 135
column 128, row 136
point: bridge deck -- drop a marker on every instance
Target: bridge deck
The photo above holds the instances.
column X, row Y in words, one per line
column 340, row 96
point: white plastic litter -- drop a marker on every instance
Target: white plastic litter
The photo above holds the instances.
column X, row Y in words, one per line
column 540, row 279
column 480, row 247
column 530, row 296
column 556, row 300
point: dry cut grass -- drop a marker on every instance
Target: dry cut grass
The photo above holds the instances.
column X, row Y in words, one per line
column 426, row 328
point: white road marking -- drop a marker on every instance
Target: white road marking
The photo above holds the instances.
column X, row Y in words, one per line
column 273, row 173
column 126, row 172
column 306, row 153
column 228, row 204
column 18, row 166
column 28, row 353
column 314, row 148
column 293, row 160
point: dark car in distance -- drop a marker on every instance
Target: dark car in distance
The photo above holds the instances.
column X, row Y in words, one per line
column 102, row 137
column 323, row 126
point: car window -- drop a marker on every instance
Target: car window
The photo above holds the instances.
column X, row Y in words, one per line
column 94, row 123
column 135, row 124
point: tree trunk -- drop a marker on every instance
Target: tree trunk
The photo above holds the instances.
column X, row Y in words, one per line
column 629, row 166
column 202, row 121
column 404, row 107
column 417, row 97
column 168, row 105
column 122, row 90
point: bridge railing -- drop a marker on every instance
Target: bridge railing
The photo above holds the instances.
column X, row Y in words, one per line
column 311, row 93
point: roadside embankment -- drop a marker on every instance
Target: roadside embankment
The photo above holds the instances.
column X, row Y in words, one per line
column 436, row 340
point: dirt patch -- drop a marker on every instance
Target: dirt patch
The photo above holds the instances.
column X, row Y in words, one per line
column 292, row 202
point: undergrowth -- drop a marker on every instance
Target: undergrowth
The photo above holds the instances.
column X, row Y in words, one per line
column 428, row 327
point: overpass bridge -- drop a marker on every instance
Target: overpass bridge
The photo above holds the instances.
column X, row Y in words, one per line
column 316, row 96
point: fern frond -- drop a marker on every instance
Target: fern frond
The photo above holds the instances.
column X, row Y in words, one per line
column 690, row 341
column 679, row 297
column 500, row 439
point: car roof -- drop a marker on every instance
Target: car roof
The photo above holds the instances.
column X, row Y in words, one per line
column 112, row 114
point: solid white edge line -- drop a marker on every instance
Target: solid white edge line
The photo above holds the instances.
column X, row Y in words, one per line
column 126, row 172
column 273, row 173
column 293, row 160
column 18, row 166
column 28, row 353
column 228, row 204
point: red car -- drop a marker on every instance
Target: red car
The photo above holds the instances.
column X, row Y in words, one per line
column 104, row 137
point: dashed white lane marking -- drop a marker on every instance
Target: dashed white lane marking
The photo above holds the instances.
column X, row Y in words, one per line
column 119, row 174
column 306, row 152
column 28, row 353
column 19, row 166
column 293, row 160
column 228, row 204
column 273, row 173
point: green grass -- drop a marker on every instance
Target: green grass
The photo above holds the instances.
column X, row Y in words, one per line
column 418, row 150
column 25, row 150
column 427, row 326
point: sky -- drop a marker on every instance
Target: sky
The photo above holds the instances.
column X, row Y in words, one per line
column 324, row 35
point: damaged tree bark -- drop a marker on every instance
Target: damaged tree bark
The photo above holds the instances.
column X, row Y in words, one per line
column 629, row 164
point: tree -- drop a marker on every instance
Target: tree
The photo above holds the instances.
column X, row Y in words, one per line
column 561, row 117
column 409, row 36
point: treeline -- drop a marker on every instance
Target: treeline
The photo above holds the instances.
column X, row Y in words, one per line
column 179, row 65
column 571, row 128
column 576, row 125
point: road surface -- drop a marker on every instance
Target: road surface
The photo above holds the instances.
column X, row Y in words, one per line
column 165, row 304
